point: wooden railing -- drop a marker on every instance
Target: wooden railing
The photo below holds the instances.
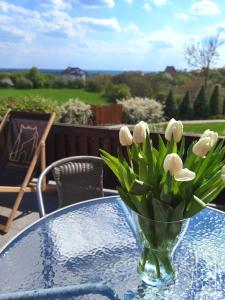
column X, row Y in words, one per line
column 70, row 140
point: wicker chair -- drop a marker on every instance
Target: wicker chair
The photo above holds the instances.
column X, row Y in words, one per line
column 77, row 178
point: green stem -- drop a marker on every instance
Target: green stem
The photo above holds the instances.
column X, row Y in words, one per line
column 129, row 157
column 157, row 265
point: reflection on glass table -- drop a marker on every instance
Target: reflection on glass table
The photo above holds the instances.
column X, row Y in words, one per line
column 94, row 242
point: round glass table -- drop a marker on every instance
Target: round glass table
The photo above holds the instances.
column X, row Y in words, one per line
column 94, row 242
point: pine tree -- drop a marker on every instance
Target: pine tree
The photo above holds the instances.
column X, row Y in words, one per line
column 170, row 107
column 185, row 108
column 201, row 108
column 214, row 101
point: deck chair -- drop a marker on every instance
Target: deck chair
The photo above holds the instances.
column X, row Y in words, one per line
column 22, row 146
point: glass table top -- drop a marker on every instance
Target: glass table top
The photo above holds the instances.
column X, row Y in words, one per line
column 95, row 242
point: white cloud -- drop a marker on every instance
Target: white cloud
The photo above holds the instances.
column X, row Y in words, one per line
column 159, row 2
column 204, row 8
column 6, row 7
column 97, row 3
column 60, row 4
column 112, row 23
column 182, row 16
column 147, row 6
column 133, row 28
column 129, row 1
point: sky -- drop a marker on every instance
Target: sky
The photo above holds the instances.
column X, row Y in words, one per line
column 143, row 35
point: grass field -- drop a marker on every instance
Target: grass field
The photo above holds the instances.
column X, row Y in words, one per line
column 200, row 128
column 197, row 128
column 61, row 95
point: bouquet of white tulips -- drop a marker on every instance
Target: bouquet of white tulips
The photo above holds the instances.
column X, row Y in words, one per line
column 184, row 181
column 170, row 182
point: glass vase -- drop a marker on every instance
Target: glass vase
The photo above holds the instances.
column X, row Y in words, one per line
column 158, row 241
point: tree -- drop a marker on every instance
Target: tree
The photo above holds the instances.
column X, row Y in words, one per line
column 214, row 101
column 200, row 105
column 170, row 107
column 185, row 108
column 203, row 54
column 36, row 77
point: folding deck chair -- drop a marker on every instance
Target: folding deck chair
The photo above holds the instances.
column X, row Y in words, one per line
column 22, row 145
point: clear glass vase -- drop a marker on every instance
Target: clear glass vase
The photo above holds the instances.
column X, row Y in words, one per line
column 158, row 241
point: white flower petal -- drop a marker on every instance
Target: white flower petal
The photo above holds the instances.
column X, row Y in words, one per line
column 184, row 175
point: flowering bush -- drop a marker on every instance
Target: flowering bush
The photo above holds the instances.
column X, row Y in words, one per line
column 75, row 112
column 145, row 109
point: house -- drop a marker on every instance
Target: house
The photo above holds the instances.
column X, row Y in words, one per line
column 170, row 69
column 74, row 73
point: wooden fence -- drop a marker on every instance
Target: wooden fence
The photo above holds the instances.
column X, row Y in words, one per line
column 107, row 114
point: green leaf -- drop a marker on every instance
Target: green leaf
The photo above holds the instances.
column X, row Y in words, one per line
column 195, row 205
column 123, row 173
column 181, row 148
column 139, row 187
column 126, row 198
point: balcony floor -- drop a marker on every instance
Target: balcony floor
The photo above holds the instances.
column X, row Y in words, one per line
column 27, row 213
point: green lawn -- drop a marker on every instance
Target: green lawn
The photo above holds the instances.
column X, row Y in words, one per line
column 197, row 128
column 61, row 95
column 200, row 128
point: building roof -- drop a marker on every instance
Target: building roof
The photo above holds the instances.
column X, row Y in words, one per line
column 73, row 71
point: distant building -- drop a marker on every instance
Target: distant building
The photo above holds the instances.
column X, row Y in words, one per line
column 170, row 69
column 73, row 73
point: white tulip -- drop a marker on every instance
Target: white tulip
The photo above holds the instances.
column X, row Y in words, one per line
column 202, row 147
column 140, row 132
column 174, row 129
column 184, row 175
column 211, row 134
column 174, row 165
column 223, row 173
column 125, row 136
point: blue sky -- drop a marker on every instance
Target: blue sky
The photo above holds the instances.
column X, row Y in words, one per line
column 105, row 34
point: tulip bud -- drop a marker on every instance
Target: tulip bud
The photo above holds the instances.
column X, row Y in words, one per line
column 173, row 164
column 202, row 147
column 140, row 132
column 125, row 136
column 174, row 129
column 212, row 134
column 223, row 173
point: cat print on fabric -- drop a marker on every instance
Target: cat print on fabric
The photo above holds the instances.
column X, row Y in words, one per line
column 25, row 144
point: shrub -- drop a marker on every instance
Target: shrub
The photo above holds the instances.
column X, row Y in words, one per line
column 136, row 109
column 217, row 117
column 185, row 108
column 138, row 83
column 23, row 83
column 30, row 103
column 117, row 91
column 6, row 82
column 77, row 83
column 201, row 107
column 76, row 112
column 214, row 101
column 60, row 82
column 170, row 106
